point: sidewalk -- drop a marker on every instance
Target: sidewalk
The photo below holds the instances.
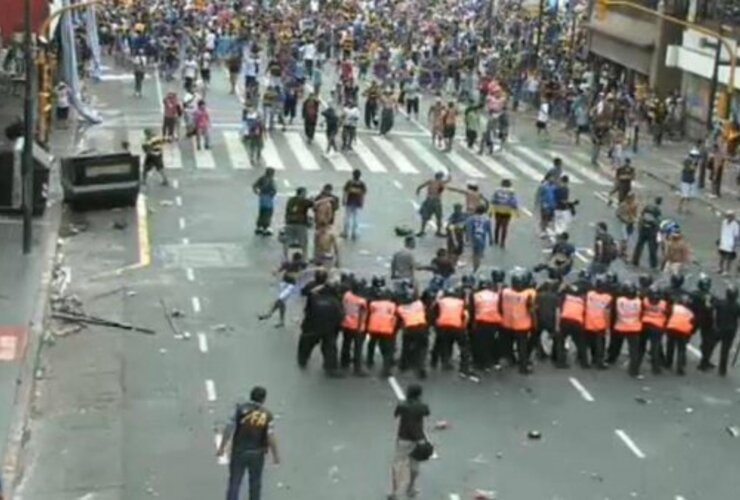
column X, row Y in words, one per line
column 23, row 296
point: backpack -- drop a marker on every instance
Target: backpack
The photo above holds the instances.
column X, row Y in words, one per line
column 610, row 249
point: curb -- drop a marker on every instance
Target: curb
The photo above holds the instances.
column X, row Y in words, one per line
column 718, row 210
column 13, row 465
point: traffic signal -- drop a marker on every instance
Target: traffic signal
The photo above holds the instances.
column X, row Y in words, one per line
column 601, row 9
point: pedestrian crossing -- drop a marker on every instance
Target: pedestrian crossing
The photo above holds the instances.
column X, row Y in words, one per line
column 411, row 156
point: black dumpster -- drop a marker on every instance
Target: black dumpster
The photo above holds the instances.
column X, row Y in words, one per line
column 100, row 181
column 11, row 180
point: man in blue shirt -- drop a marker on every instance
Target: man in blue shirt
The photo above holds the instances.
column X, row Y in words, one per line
column 265, row 189
column 479, row 231
column 545, row 201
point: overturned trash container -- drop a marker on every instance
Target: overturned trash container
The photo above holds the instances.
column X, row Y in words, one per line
column 101, row 181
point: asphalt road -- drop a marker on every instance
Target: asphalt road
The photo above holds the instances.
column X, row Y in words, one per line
column 135, row 417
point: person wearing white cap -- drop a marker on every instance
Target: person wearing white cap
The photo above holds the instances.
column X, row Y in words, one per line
column 728, row 238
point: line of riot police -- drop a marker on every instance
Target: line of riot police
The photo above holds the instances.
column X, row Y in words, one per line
column 492, row 322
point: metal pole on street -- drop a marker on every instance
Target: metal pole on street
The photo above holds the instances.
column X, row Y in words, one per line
column 538, row 40
column 27, row 159
column 713, row 88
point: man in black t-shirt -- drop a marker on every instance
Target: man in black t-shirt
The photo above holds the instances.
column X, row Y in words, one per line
column 353, row 200
column 251, row 435
column 297, row 222
column 410, row 414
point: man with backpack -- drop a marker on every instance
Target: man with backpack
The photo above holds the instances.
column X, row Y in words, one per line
column 647, row 233
column 605, row 250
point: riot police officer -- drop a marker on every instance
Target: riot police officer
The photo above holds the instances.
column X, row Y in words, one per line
column 702, row 300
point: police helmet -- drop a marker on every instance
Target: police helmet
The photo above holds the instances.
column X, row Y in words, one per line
column 436, row 282
column 584, row 275
column 528, row 278
column 517, row 280
column 731, row 293
column 468, row 280
column 347, row 278
column 320, row 276
column 645, row 280
column 377, row 282
column 359, row 286
column 600, row 284
column 629, row 289
column 677, row 280
column 611, row 278
column 654, row 293
column 497, row 275
column 704, row 283
column 484, row 283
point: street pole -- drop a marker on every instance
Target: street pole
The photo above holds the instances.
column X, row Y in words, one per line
column 27, row 159
column 539, row 34
column 713, row 88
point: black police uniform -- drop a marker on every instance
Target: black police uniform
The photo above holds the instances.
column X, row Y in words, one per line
column 701, row 306
column 321, row 323
column 252, row 425
column 647, row 233
column 726, row 315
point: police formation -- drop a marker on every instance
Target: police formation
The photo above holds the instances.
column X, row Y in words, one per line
column 495, row 323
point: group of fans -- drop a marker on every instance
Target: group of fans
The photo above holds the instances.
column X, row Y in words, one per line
column 495, row 322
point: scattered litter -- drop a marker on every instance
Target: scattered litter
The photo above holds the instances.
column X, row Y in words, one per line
column 166, row 203
column 163, row 351
column 186, row 335
column 499, row 455
column 334, row 474
column 555, row 423
column 169, row 315
column 39, row 374
column 120, row 225
column 645, row 388
column 441, row 425
column 176, row 313
column 130, row 293
column 69, row 330
column 474, row 379
column 221, row 328
column 641, row 400
column 434, row 456
column 337, row 448
column 689, row 410
column 597, row 477
column 479, row 459
column 282, row 486
column 484, row 495
column 633, row 494
column 534, row 435
column 93, row 320
column 733, row 431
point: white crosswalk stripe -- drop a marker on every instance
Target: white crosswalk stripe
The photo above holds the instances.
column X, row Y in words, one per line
column 368, row 157
column 204, row 158
column 464, row 165
column 270, row 155
column 524, row 167
column 300, row 149
column 172, row 156
column 545, row 163
column 237, row 152
column 586, row 158
column 135, row 138
column 402, row 163
column 584, row 172
column 426, row 156
column 337, row 160
column 498, row 169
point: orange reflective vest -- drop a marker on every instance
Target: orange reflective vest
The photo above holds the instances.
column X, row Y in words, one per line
column 654, row 314
column 412, row 315
column 452, row 313
column 681, row 321
column 516, row 315
column 597, row 312
column 354, row 305
column 486, row 307
column 381, row 319
column 629, row 312
column 573, row 309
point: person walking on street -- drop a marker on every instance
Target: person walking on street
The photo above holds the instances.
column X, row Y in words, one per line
column 647, row 233
column 265, row 189
column 172, row 113
column 410, row 413
column 605, row 250
column 450, row 123
column 310, row 114
column 251, row 434
column 297, row 222
column 153, row 160
column 543, row 117
column 202, row 121
column 504, row 205
column 432, row 204
column 676, row 254
column 727, row 314
column 729, row 236
column 688, row 186
column 623, row 178
column 350, row 118
column 139, row 71
column 62, row 94
column 627, row 214
column 353, row 201
column 331, row 119
column 254, row 134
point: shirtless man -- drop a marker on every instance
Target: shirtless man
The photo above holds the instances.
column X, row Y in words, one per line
column 473, row 197
column 326, row 247
column 432, row 204
column 436, row 122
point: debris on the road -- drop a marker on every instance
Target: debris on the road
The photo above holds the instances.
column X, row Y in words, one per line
column 484, row 495
column 441, row 425
column 163, row 351
column 733, row 431
column 479, row 459
column 597, row 477
column 186, row 335
column 641, row 400
column 221, row 328
column 166, row 203
column 689, row 410
column 534, row 434
column 334, row 474
column 120, row 225
column 130, row 293
column 338, row 447
column 499, row 455
column 93, row 320
column 107, row 293
column 69, row 330
column 169, row 314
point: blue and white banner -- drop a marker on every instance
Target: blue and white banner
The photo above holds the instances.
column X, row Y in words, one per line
column 68, row 67
column 93, row 42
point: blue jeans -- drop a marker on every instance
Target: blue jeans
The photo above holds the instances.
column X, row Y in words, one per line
column 252, row 461
column 350, row 220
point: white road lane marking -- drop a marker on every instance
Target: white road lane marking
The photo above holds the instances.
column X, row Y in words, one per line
column 629, row 443
column 204, row 158
column 454, row 496
column 270, row 155
column 302, row 152
column 202, row 342
column 175, row 183
column 521, row 165
column 337, row 160
column 286, row 183
column 397, row 184
column 401, row 162
column 581, row 257
column 464, row 165
column 223, row 459
column 396, row 388
column 196, row 304
column 415, row 204
column 501, row 171
column 591, row 175
column 172, row 157
column 602, row 196
column 527, row 212
column 178, row 201
column 210, row 390
column 368, row 157
column 579, row 387
column 190, row 274
column 181, row 223
column 426, row 156
column 186, row 241
column 694, row 350
column 235, row 149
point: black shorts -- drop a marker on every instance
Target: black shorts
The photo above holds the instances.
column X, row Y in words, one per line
column 205, row 74
column 541, row 125
column 153, row 162
column 727, row 255
column 449, row 131
column 62, row 113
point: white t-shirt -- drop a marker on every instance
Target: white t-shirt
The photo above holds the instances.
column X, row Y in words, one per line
column 62, row 97
column 210, row 40
column 544, row 113
column 729, row 235
column 190, row 69
column 309, row 52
